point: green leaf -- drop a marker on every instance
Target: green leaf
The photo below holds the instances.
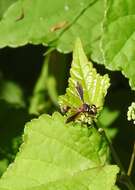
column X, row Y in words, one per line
column 57, row 26
column 94, row 85
column 56, row 155
column 4, row 5
column 11, row 92
column 118, row 38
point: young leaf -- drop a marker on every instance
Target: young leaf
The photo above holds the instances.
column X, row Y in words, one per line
column 62, row 156
column 94, row 85
column 56, row 25
column 118, row 38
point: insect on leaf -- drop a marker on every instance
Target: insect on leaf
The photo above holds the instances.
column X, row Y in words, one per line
column 93, row 84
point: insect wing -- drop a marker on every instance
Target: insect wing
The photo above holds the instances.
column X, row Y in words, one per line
column 79, row 91
column 72, row 117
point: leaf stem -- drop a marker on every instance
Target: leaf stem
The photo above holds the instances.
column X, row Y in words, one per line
column 114, row 154
column 131, row 161
column 124, row 178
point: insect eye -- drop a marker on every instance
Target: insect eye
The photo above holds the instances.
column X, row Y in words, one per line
column 87, row 108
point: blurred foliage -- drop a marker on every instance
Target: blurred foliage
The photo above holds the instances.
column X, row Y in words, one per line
column 16, row 92
column 11, row 93
column 12, row 120
column 49, row 84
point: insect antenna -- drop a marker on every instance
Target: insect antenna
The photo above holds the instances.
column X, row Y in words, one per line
column 79, row 90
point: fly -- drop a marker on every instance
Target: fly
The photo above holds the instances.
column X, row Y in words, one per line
column 90, row 110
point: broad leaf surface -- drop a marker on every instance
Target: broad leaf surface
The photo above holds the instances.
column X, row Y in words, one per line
column 56, row 155
column 94, row 85
column 118, row 38
column 56, row 26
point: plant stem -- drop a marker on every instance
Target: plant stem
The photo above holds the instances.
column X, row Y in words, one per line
column 131, row 161
column 114, row 154
column 124, row 177
column 126, row 180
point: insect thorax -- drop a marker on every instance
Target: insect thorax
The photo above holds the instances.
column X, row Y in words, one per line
column 91, row 109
